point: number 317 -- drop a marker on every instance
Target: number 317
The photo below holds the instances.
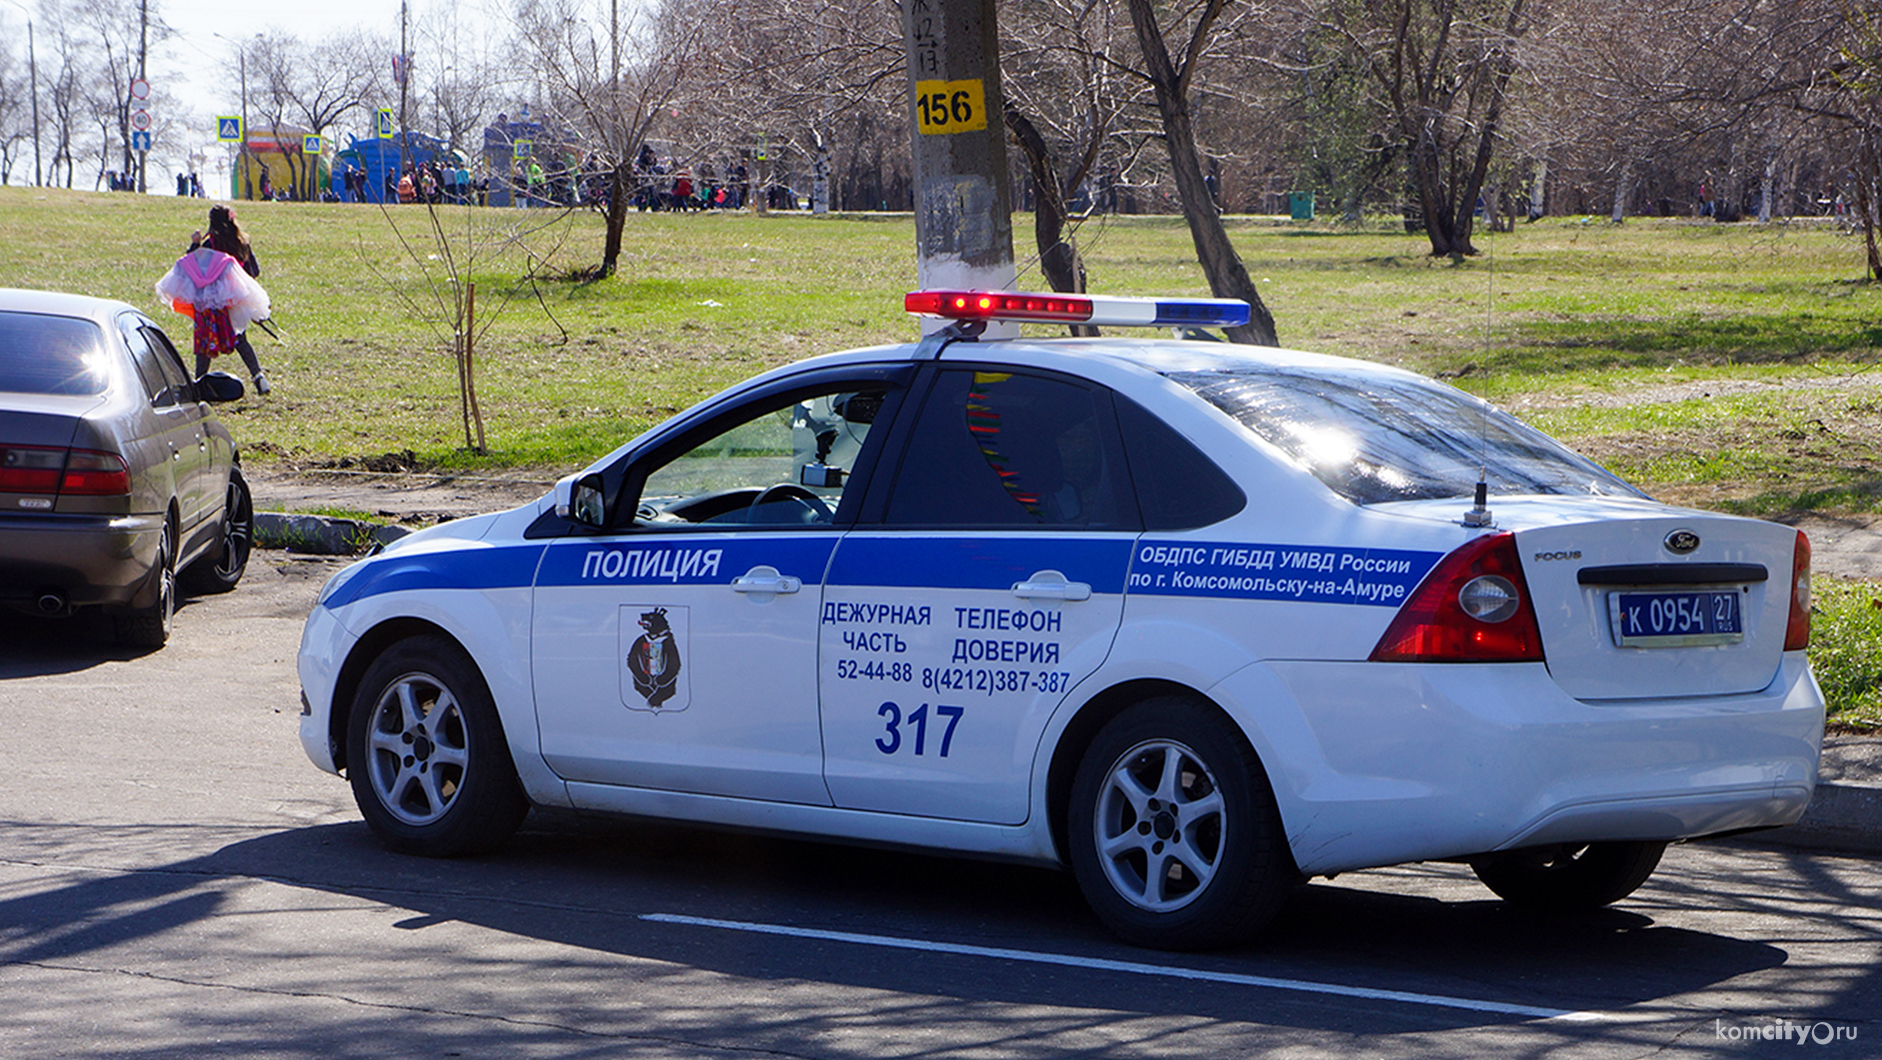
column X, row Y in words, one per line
column 891, row 740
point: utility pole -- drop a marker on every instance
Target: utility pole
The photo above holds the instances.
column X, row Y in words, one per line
column 241, row 153
column 963, row 208
column 143, row 51
column 404, row 68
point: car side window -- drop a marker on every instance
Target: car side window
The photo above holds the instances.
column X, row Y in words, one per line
column 149, row 369
column 781, row 463
column 1004, row 449
column 1178, row 486
column 167, row 357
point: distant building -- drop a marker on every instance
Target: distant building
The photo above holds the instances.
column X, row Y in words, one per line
column 276, row 152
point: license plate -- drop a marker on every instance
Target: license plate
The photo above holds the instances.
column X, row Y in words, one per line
column 1676, row 619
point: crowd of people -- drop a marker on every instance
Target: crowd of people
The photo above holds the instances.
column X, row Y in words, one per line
column 655, row 184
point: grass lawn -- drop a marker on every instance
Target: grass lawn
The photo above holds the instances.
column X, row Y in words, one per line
column 1733, row 367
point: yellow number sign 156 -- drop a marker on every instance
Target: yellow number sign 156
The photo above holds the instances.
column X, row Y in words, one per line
column 943, row 107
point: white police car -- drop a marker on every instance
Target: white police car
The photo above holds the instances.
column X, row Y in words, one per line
column 1196, row 619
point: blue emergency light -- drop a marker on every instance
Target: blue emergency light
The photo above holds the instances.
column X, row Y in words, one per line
column 1079, row 309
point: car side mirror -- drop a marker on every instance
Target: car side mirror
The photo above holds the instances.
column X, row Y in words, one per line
column 820, row 476
column 219, row 387
column 582, row 500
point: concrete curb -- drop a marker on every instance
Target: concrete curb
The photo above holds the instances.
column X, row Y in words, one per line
column 320, row 534
column 1845, row 817
column 1846, row 812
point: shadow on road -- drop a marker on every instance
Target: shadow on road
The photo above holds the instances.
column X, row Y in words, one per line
column 583, row 885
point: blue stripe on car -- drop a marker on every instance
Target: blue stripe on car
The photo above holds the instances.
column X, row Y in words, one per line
column 978, row 561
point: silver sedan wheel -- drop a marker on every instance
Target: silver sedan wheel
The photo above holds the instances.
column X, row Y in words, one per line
column 1160, row 826
column 418, row 748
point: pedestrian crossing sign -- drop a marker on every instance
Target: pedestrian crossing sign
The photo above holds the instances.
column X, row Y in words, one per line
column 311, row 145
column 229, row 128
column 382, row 122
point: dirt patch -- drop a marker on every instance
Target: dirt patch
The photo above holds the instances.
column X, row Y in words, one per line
column 407, row 498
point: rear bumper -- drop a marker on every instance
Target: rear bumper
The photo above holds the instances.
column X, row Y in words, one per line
column 89, row 559
column 1379, row 764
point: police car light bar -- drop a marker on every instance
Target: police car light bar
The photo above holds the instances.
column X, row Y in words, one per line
column 1079, row 309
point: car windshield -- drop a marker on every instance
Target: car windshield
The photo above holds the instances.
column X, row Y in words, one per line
column 42, row 354
column 1374, row 438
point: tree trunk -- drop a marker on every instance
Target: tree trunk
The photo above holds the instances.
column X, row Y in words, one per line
column 1228, row 277
column 1059, row 259
column 1623, row 189
column 1868, row 210
column 617, row 217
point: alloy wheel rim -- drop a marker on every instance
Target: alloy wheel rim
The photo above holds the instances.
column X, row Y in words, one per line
column 417, row 749
column 1160, row 826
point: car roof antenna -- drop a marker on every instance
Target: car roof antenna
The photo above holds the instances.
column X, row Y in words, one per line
column 1479, row 514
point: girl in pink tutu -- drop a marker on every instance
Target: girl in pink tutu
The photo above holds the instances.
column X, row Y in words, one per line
column 215, row 283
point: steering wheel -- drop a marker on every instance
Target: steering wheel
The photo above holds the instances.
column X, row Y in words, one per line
column 813, row 506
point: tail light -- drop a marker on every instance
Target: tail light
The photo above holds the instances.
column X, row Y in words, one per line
column 1474, row 606
column 1797, row 632
column 30, row 470
column 93, row 474
column 73, row 472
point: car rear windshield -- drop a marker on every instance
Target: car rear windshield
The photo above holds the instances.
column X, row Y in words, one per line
column 41, row 354
column 1374, row 438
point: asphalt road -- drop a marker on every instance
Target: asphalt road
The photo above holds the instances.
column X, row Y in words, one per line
column 177, row 881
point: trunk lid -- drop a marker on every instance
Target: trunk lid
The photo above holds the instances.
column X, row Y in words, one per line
column 1643, row 601
column 1636, row 599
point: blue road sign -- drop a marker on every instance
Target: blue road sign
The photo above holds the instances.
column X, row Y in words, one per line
column 229, row 128
column 140, row 140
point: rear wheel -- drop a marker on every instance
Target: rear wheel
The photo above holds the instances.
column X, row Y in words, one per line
column 426, row 755
column 1175, row 839
column 1568, row 877
column 149, row 627
column 220, row 572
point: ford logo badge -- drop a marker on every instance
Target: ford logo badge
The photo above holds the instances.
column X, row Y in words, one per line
column 1682, row 542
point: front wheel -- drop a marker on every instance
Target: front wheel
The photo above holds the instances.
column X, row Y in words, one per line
column 426, row 756
column 1174, row 835
column 1568, row 877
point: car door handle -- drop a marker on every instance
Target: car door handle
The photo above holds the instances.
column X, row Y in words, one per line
column 766, row 581
column 1051, row 585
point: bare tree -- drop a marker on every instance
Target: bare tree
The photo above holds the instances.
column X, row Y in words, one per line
column 1066, row 110
column 1170, row 78
column 778, row 91
column 311, row 86
column 1440, row 71
column 608, row 79
column 16, row 109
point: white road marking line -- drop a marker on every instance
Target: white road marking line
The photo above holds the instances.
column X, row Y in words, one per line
column 1131, row 967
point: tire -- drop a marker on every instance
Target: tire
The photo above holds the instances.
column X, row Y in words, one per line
column 149, row 627
column 1174, row 835
column 220, row 572
column 426, row 755
column 1568, row 877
